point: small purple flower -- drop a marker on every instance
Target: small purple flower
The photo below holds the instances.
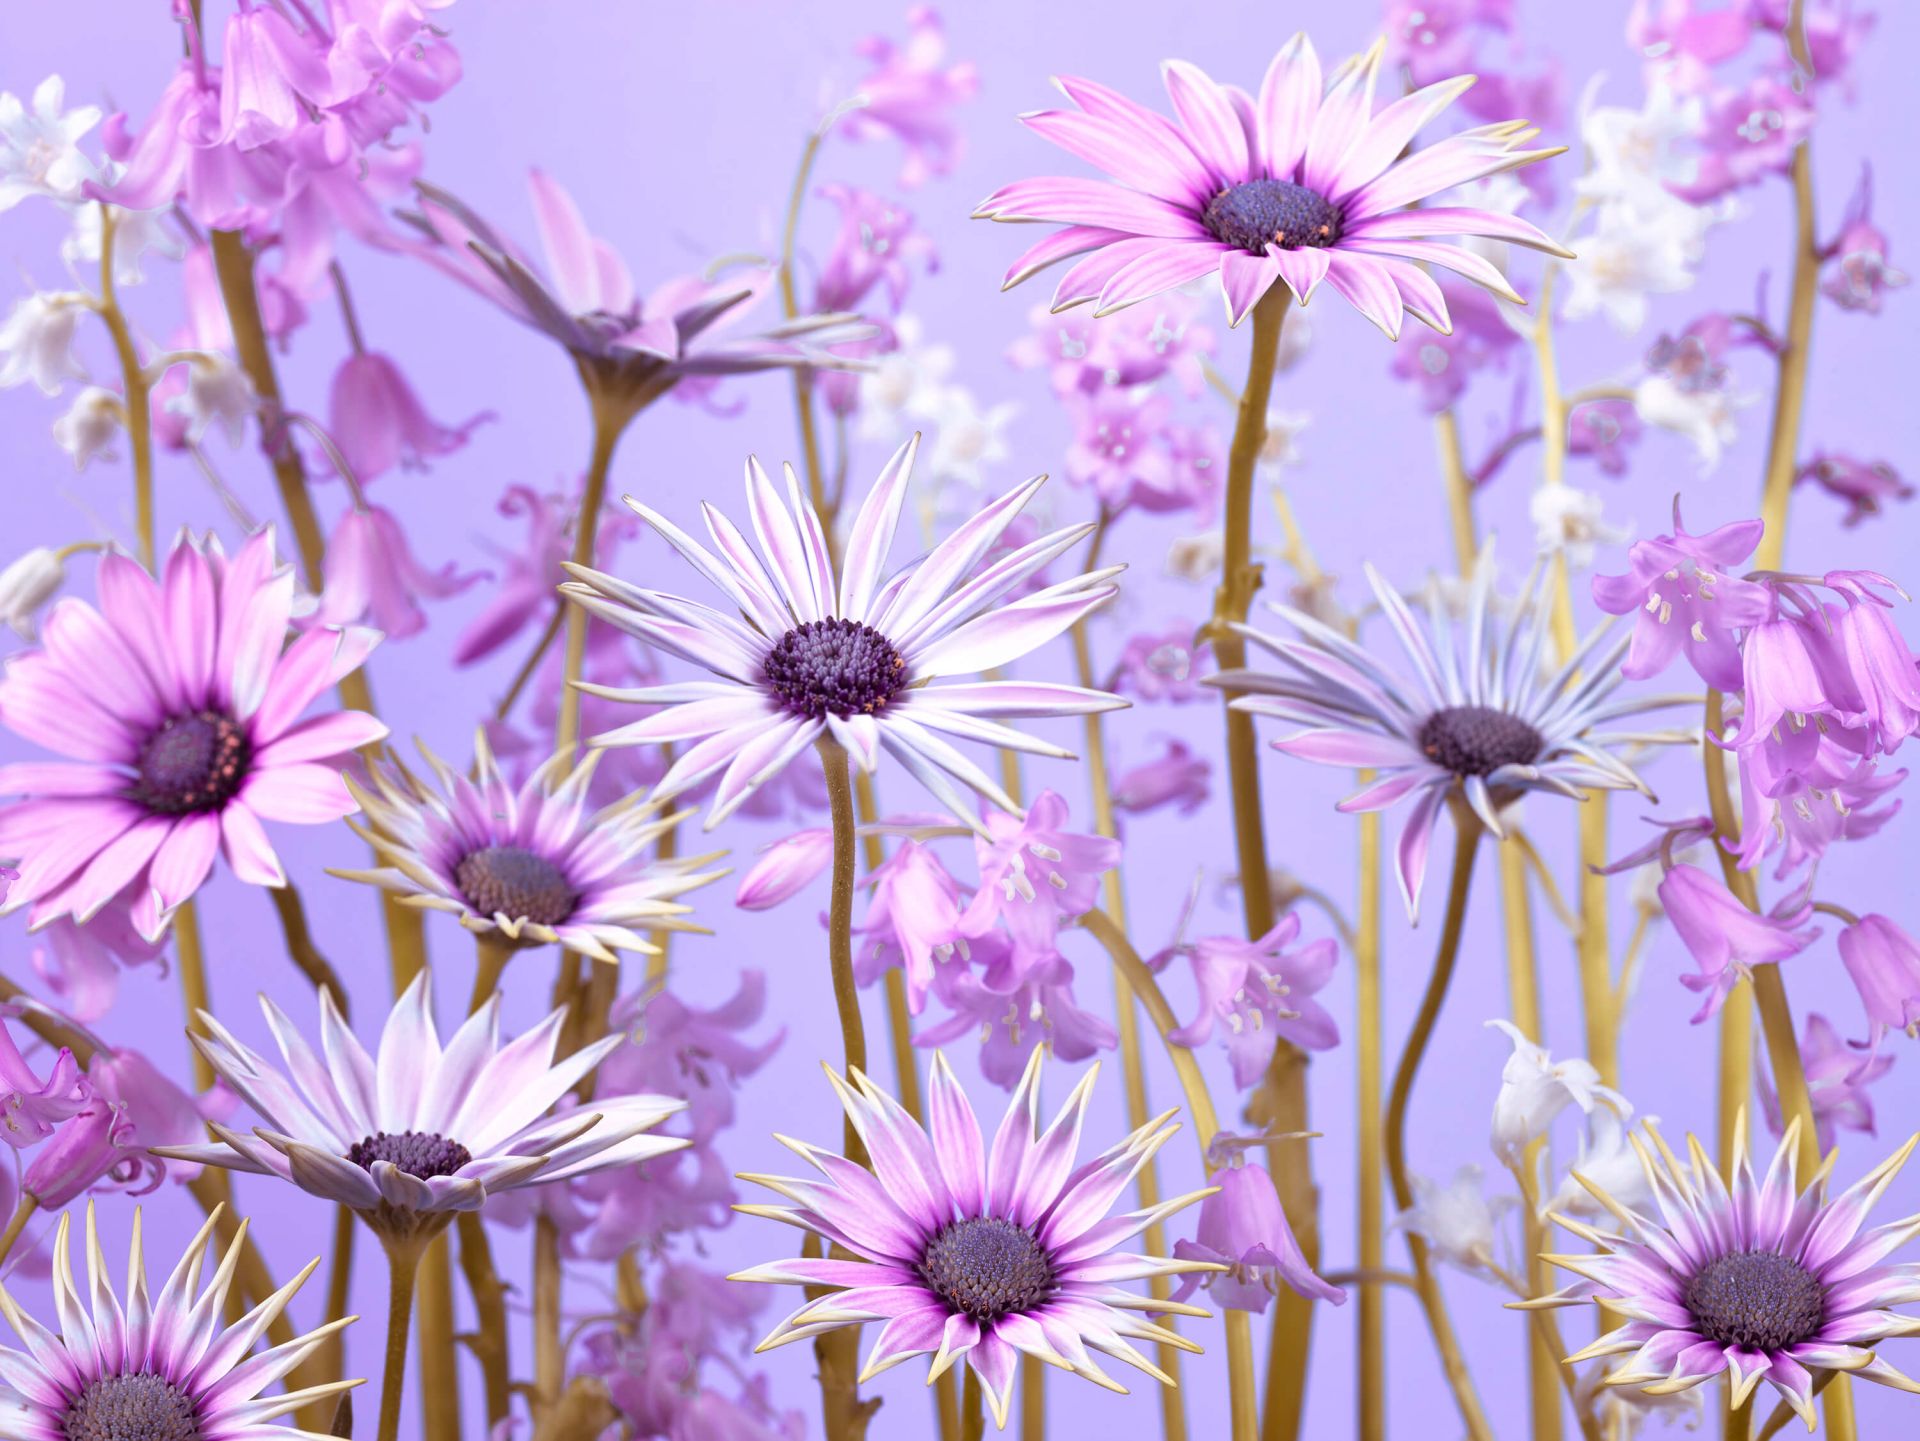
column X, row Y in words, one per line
column 1163, row 665
column 1016, row 1004
column 910, row 94
column 1604, row 431
column 1243, row 1227
column 1865, row 485
column 785, row 868
column 1837, row 1081
column 877, row 243
column 1686, row 601
column 1858, row 275
column 1750, row 133
column 32, row 1108
column 1883, row 692
column 1724, row 938
column 1259, row 991
column 1805, row 788
column 378, row 422
column 1442, row 363
column 372, row 577
column 81, row 965
column 1134, row 347
column 1437, row 38
column 132, row 1107
column 1176, row 778
column 913, row 920
column 1884, row 962
column 1035, row 874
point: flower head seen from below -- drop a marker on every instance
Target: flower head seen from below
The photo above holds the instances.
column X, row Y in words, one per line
column 1300, row 184
column 532, row 864
column 179, row 711
column 164, row 1368
column 411, row 1135
column 638, row 346
column 801, row 655
column 1757, row 1279
column 977, row 1249
column 1484, row 720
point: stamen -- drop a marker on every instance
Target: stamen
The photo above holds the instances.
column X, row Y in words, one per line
column 834, row 667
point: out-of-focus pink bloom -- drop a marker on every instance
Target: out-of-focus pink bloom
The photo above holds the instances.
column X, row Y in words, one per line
column 378, row 422
column 785, row 868
column 1132, row 347
column 877, row 243
column 1035, row 873
column 1177, row 778
column 178, row 157
column 527, row 572
column 1040, row 1011
column 1884, row 962
column 1866, row 486
column 1836, row 29
column 30, row 1108
column 913, row 920
column 1435, row 39
column 132, row 1107
column 1163, row 666
column 1724, row 937
column 1750, row 133
column 1127, row 450
column 273, row 78
column 1243, row 1227
column 81, row 964
column 1259, row 991
column 699, row 1055
column 372, row 577
column 1881, row 691
column 1441, row 365
column 1805, row 789
column 1837, row 1081
column 1540, row 95
column 1858, row 276
column 1686, row 39
column 1678, row 586
column 911, row 94
column 1604, row 430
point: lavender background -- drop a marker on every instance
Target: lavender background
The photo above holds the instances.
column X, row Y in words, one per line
column 677, row 128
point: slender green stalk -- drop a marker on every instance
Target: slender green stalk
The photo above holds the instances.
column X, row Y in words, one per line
column 403, row 1262
column 22, row 1214
column 488, row 1340
column 609, row 422
column 846, row 996
column 1468, row 830
column 139, row 390
column 973, row 1408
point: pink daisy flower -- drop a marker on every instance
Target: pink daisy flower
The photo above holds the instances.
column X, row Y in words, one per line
column 1301, row 183
column 977, row 1250
column 1760, row 1280
column 800, row 654
column 179, row 711
column 163, row 1367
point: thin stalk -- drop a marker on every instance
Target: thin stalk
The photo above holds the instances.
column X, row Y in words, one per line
column 532, row 663
column 549, row 1355
column 139, row 393
column 22, row 1214
column 403, row 1262
column 1736, row 1421
column 193, row 983
column 300, row 947
column 1033, row 1399
column 1468, row 830
column 1370, row 1323
column 846, row 996
column 339, row 1288
column 973, row 1408
column 1796, row 355
column 492, row 951
column 439, row 1361
column 1173, row 1411
column 1239, row 580
column 1453, row 471
column 609, row 422
column 488, row 1340
column 824, row 505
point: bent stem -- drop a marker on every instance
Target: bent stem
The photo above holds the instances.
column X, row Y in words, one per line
column 488, row 1340
column 439, row 1361
column 1371, row 1322
column 824, row 505
column 300, row 947
column 139, row 391
column 193, row 983
column 1468, row 830
column 22, row 1214
column 846, row 996
column 403, row 1263
column 1239, row 581
column 610, row 418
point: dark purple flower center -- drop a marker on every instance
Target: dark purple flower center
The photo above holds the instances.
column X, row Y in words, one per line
column 193, row 763
column 516, row 883
column 834, row 667
column 1257, row 213
column 142, row 1407
column 1759, row 1300
column 419, row 1153
column 987, row 1268
column 1476, row 740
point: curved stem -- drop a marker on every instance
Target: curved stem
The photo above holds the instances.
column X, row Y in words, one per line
column 824, row 505
column 532, row 663
column 1796, row 354
column 488, row 1341
column 193, row 983
column 492, row 951
column 973, row 1409
column 1370, row 1335
column 439, row 1360
column 403, row 1262
column 846, row 995
column 1467, row 840
column 22, row 1214
column 139, row 393
column 300, row 947
column 339, row 1288
column 549, row 1356
column 609, row 422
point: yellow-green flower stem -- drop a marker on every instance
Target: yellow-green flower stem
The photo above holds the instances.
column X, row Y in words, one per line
column 1468, row 830
column 22, row 1213
column 138, row 401
column 403, row 1264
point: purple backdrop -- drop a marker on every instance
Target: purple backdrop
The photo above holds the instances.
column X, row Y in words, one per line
column 677, row 128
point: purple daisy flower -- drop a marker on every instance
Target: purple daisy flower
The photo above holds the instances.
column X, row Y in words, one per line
column 1761, row 1280
column 162, row 1367
column 421, row 1132
column 1484, row 720
column 531, row 864
column 805, row 655
column 182, row 711
column 1300, row 184
column 987, row 1251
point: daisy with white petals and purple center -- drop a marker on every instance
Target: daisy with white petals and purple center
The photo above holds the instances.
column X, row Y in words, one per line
column 804, row 655
column 1757, row 1280
column 1486, row 719
column 159, row 1369
column 977, row 1250
column 1302, row 183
